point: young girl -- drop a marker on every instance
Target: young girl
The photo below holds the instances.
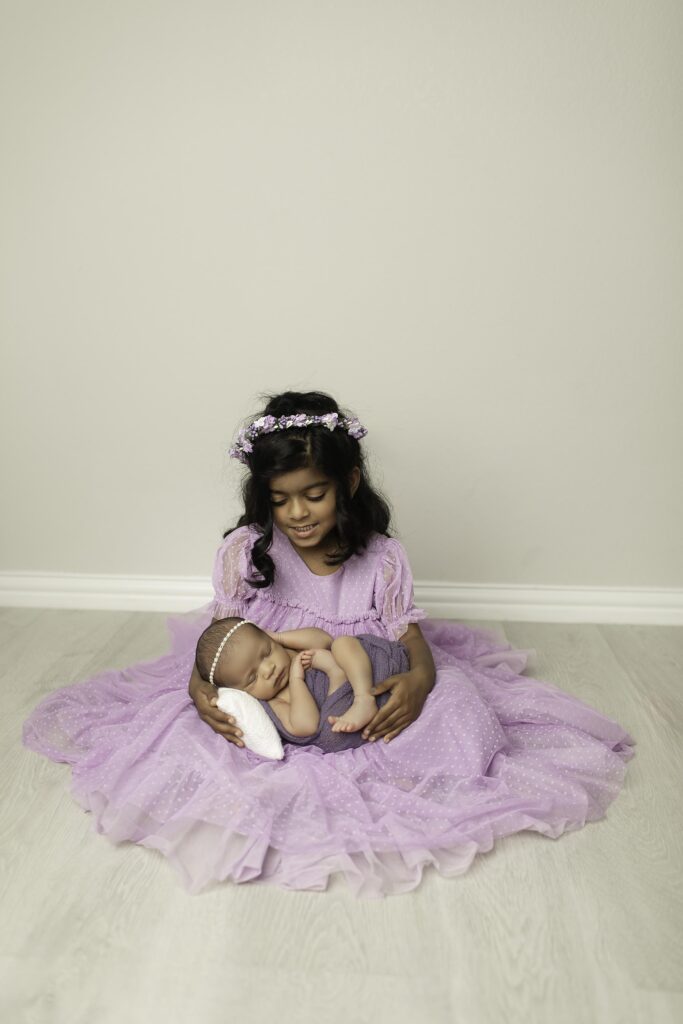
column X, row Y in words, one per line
column 472, row 750
column 271, row 667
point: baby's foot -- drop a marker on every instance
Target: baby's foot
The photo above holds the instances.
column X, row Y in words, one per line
column 359, row 714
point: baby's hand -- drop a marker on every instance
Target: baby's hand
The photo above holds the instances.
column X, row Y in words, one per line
column 306, row 659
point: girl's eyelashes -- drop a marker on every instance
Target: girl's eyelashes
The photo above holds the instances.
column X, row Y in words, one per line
column 278, row 503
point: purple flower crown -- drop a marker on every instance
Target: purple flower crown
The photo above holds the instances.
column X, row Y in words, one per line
column 268, row 424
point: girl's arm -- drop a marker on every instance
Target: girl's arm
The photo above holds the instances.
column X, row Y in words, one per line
column 304, row 716
column 302, row 639
column 420, row 656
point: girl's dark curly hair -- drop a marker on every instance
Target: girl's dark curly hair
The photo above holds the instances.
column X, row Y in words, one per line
column 335, row 453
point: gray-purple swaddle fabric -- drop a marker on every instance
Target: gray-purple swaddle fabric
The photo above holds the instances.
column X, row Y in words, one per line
column 387, row 657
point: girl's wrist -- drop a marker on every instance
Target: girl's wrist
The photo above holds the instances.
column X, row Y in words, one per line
column 422, row 676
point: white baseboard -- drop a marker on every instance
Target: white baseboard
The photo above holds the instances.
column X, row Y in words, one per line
column 489, row 602
column 503, row 602
column 99, row 591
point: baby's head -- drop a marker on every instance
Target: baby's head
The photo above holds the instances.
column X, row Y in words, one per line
column 248, row 661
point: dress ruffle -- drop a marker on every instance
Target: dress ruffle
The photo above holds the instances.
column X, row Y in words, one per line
column 492, row 753
column 304, row 614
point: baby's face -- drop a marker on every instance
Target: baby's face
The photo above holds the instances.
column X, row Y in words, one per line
column 255, row 664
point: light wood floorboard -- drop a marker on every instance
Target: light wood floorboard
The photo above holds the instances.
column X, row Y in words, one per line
column 585, row 928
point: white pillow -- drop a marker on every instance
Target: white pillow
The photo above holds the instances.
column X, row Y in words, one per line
column 258, row 732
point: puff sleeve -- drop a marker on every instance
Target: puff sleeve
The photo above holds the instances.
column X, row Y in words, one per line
column 394, row 598
column 231, row 593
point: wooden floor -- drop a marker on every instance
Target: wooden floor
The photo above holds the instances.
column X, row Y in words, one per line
column 585, row 928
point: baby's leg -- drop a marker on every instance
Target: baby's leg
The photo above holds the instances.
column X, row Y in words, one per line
column 349, row 654
column 321, row 658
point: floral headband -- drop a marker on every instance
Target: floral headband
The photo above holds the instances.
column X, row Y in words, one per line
column 268, row 424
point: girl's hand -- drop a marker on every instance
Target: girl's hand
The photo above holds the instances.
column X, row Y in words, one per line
column 408, row 693
column 205, row 699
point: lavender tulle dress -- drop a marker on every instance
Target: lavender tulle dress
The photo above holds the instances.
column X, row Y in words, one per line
column 493, row 752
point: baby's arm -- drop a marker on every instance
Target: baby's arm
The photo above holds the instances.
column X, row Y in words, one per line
column 304, row 716
column 302, row 639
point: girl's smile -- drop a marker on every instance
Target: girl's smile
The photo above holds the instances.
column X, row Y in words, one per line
column 304, row 531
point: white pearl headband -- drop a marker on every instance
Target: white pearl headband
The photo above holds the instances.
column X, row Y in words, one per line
column 218, row 652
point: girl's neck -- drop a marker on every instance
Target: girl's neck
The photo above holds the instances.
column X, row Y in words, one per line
column 315, row 558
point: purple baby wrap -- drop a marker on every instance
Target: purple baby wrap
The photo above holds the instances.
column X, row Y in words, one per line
column 387, row 657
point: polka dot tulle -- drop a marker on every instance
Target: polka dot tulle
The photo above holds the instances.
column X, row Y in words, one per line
column 494, row 752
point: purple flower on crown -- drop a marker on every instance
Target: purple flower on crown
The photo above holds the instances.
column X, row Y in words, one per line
column 356, row 429
column 258, row 426
column 267, row 424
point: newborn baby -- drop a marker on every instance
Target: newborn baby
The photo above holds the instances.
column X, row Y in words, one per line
column 313, row 687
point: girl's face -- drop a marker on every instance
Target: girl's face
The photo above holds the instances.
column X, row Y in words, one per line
column 307, row 498
column 257, row 665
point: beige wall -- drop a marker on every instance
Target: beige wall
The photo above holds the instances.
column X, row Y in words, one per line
column 462, row 219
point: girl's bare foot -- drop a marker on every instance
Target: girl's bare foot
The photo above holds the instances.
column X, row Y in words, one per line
column 364, row 708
